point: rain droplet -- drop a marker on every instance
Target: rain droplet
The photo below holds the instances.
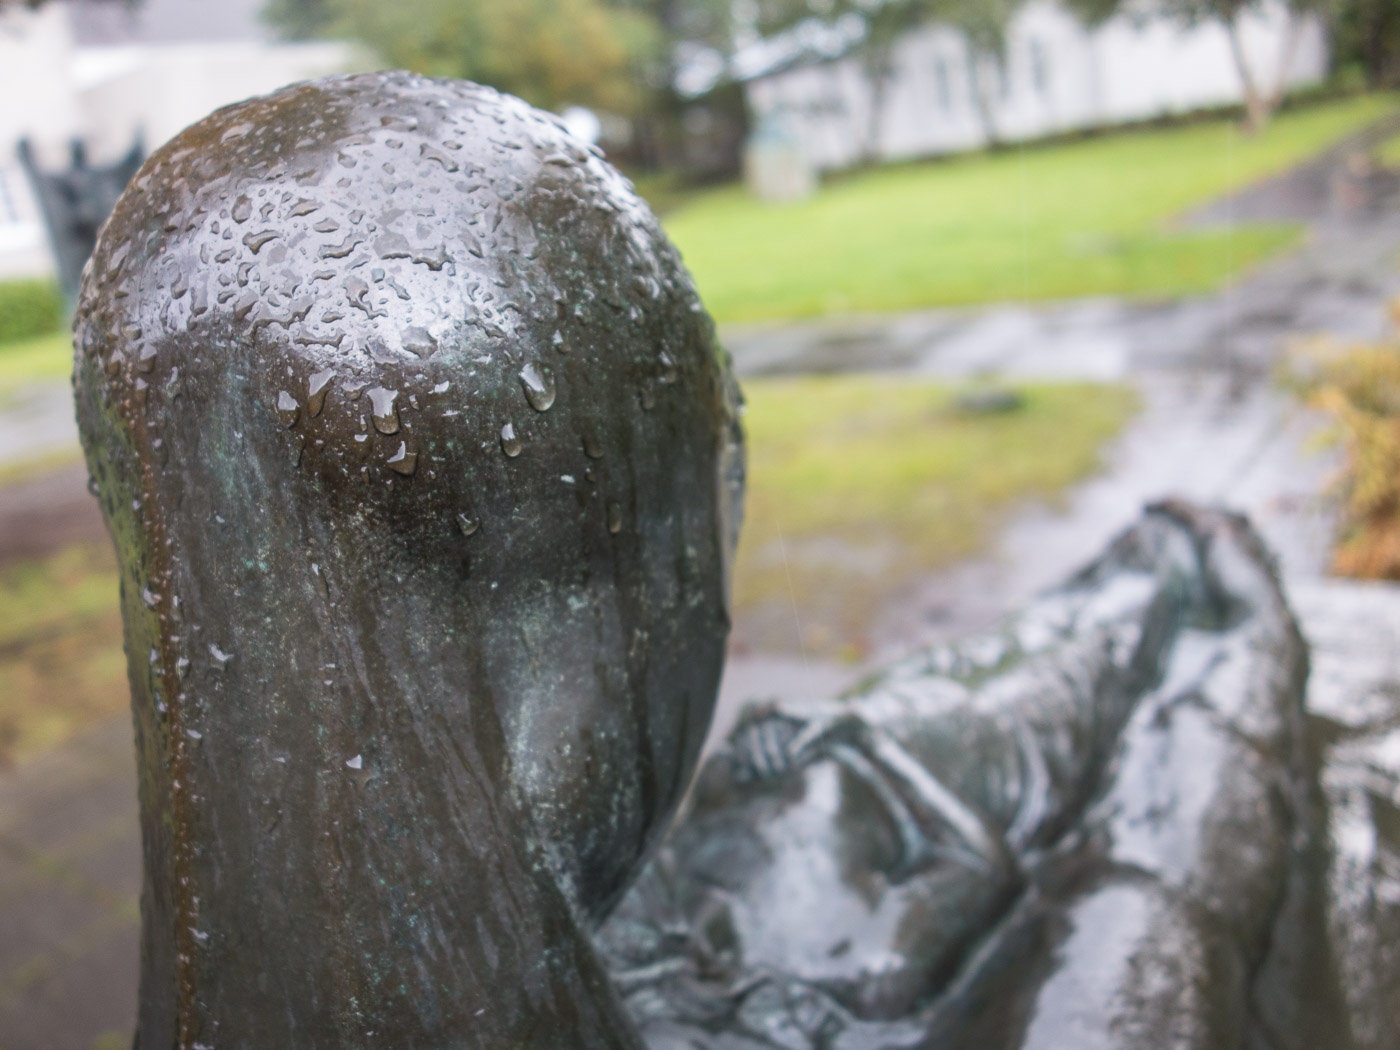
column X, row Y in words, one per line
column 539, row 386
column 614, row 517
column 242, row 208
column 510, row 444
column 442, row 387
column 221, row 658
column 403, row 461
column 317, row 387
column 287, row 408
column 419, row 341
column 148, row 597
column 468, row 524
column 255, row 241
column 357, row 762
column 386, row 416
column 592, row 448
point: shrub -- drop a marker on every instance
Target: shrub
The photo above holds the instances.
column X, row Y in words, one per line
column 28, row 309
column 1359, row 387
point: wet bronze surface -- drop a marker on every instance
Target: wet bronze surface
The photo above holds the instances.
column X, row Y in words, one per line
column 1098, row 828
column 423, row 467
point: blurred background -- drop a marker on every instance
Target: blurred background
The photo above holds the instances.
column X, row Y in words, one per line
column 993, row 274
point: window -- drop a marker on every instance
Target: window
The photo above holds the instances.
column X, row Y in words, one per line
column 942, row 85
column 1040, row 68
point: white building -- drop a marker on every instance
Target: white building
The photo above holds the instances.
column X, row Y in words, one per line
column 105, row 73
column 1058, row 76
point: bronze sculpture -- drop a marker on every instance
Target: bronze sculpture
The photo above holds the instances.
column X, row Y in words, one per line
column 424, row 465
column 76, row 202
column 1093, row 829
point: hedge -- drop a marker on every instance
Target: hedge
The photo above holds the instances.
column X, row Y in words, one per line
column 29, row 309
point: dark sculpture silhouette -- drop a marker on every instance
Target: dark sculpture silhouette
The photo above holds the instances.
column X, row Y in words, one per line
column 1095, row 829
column 423, row 465
column 424, row 470
column 75, row 203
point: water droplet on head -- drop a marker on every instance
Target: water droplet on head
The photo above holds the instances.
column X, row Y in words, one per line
column 316, row 389
column 357, row 762
column 287, row 408
column 614, row 517
column 592, row 448
column 418, row 341
column 386, row 416
column 468, row 524
column 403, row 461
column 510, row 444
column 538, row 382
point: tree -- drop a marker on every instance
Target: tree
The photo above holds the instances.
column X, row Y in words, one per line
column 1366, row 33
column 884, row 23
column 1260, row 100
column 552, row 53
column 983, row 24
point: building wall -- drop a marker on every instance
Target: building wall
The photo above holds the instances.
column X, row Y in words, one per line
column 159, row 90
column 55, row 91
column 1058, row 76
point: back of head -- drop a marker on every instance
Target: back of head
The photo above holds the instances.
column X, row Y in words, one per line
column 423, row 466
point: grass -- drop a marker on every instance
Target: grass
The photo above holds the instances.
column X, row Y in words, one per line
column 1086, row 218
column 46, row 357
column 1387, row 153
column 60, row 649
column 859, row 484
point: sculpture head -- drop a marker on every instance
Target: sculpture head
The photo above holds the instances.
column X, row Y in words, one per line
column 423, row 465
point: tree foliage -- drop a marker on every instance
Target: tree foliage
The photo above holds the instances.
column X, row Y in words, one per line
column 884, row 23
column 552, row 53
column 1261, row 99
column 1366, row 33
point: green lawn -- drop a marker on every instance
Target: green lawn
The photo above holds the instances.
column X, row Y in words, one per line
column 1387, row 154
column 46, row 357
column 1083, row 218
column 859, row 484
